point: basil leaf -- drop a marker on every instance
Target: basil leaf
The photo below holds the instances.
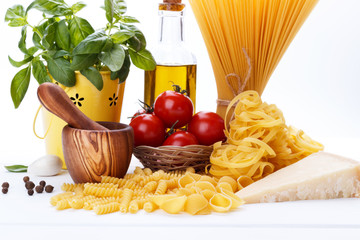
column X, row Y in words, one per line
column 32, row 50
column 36, row 40
column 19, row 85
column 113, row 59
column 83, row 61
column 39, row 71
column 59, row 54
column 22, row 42
column 94, row 43
column 49, row 36
column 109, row 8
column 77, row 7
column 30, row 7
column 137, row 42
column 129, row 19
column 60, row 70
column 62, row 35
column 142, row 59
column 119, row 8
column 122, row 36
column 41, row 28
column 123, row 73
column 16, row 16
column 79, row 29
column 16, row 168
column 93, row 75
column 52, row 7
column 20, row 63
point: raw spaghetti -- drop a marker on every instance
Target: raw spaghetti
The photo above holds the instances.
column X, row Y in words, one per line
column 264, row 28
column 259, row 142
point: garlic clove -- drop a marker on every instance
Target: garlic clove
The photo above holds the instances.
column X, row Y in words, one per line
column 48, row 165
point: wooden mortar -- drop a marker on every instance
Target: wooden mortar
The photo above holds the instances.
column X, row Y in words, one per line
column 91, row 149
column 90, row 154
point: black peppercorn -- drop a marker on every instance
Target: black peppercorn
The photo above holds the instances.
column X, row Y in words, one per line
column 30, row 192
column 26, row 179
column 42, row 183
column 39, row 189
column 49, row 188
column 5, row 190
column 5, row 185
column 29, row 185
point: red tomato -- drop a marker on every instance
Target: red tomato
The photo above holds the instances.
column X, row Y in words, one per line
column 145, row 109
column 181, row 138
column 208, row 128
column 148, row 130
column 172, row 106
column 138, row 113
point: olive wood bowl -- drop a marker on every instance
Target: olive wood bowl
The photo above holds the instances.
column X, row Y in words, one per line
column 89, row 154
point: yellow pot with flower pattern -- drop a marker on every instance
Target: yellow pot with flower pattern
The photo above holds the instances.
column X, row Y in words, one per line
column 104, row 105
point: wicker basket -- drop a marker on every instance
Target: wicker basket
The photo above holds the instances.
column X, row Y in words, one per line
column 171, row 158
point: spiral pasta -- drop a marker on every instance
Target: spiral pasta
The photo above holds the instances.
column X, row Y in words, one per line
column 78, row 202
column 137, row 204
column 107, row 208
column 89, row 204
column 150, row 207
column 63, row 204
column 125, row 201
column 117, row 181
column 161, row 188
column 102, row 191
column 70, row 187
column 258, row 141
column 150, row 187
column 61, row 196
column 102, row 185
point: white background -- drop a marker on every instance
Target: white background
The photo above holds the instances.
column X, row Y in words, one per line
column 316, row 84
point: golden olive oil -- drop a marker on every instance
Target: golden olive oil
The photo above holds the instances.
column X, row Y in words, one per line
column 163, row 77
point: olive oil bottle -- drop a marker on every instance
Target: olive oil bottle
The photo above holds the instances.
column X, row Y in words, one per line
column 175, row 63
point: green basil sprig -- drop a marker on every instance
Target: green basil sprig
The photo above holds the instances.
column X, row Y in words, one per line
column 63, row 43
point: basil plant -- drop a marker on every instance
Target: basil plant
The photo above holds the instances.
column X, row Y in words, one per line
column 64, row 43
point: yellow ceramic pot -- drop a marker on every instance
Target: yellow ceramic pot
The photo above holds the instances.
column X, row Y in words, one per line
column 104, row 105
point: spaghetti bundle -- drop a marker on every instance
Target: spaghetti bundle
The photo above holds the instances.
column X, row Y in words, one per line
column 263, row 28
column 258, row 141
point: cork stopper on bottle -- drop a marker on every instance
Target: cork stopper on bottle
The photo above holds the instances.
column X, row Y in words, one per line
column 171, row 5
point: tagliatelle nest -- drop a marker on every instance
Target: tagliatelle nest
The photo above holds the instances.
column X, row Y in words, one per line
column 171, row 158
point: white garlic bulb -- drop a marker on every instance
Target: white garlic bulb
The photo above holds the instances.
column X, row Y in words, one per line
column 48, row 165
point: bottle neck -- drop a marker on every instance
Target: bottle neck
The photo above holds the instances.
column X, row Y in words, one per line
column 171, row 27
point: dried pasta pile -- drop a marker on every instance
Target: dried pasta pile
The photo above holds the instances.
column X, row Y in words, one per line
column 172, row 192
column 259, row 142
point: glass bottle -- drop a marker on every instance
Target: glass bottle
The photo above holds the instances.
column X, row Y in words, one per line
column 175, row 63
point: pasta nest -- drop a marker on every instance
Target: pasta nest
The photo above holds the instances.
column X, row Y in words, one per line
column 258, row 141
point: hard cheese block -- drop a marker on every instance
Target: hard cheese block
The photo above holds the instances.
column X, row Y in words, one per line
column 318, row 176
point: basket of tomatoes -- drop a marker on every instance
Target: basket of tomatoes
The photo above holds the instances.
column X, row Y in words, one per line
column 169, row 137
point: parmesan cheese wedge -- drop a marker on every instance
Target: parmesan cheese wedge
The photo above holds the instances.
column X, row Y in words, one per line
column 318, row 176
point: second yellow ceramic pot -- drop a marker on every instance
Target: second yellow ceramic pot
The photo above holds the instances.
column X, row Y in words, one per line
column 104, row 105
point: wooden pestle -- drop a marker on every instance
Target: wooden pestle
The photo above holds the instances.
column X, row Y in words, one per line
column 56, row 101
